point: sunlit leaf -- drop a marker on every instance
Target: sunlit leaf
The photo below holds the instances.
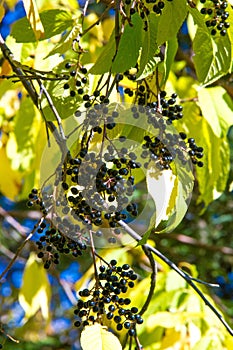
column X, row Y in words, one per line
column 54, row 22
column 170, row 52
column 213, row 54
column 34, row 18
column 209, row 341
column 171, row 320
column 217, row 107
column 148, row 60
column 174, row 281
column 35, row 292
column 160, row 185
column 98, row 338
column 213, row 176
column 10, row 180
column 66, row 42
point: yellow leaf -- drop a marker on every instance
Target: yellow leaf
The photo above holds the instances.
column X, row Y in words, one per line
column 172, row 340
column 35, row 292
column 11, row 3
column 10, row 180
column 34, row 18
column 98, row 338
column 171, row 320
column 2, row 12
column 229, row 342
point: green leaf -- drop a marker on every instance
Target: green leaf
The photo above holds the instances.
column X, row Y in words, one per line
column 54, row 22
column 65, row 104
column 216, row 106
column 212, row 57
column 171, row 20
column 170, row 53
column 21, row 144
column 66, row 41
column 213, row 54
column 150, row 67
column 23, row 124
column 33, row 17
column 212, row 178
column 144, row 238
column 130, row 42
column 98, row 338
column 174, row 282
column 149, row 48
column 104, row 61
column 211, row 340
column 35, row 292
column 197, row 18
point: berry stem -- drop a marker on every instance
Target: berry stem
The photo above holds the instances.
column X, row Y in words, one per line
column 153, row 279
column 8, row 335
column 94, row 258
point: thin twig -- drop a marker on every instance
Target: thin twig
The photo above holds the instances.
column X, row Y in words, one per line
column 66, row 287
column 8, row 335
column 7, row 252
column 96, row 22
column 31, row 77
column 194, row 242
column 14, row 223
column 184, row 275
column 94, row 259
column 20, row 248
column 53, row 108
column 10, row 58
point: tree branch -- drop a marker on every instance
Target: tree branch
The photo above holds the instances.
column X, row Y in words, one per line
column 20, row 248
column 14, row 223
column 17, row 69
column 184, row 275
column 192, row 241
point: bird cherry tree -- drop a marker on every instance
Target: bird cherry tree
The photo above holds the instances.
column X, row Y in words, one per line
column 110, row 121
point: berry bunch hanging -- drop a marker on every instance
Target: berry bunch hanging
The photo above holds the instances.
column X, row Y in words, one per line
column 215, row 16
column 105, row 300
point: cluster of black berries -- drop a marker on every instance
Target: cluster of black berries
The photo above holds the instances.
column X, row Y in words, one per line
column 77, row 84
column 95, row 193
column 167, row 146
column 35, row 199
column 144, row 10
column 53, row 243
column 106, row 299
column 167, row 106
column 158, row 5
column 156, row 151
column 77, row 80
column 97, row 115
column 195, row 152
column 216, row 16
column 96, row 187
